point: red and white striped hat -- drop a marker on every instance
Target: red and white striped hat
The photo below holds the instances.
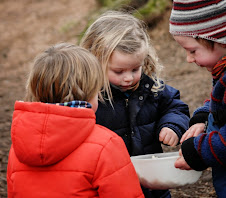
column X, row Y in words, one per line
column 199, row 18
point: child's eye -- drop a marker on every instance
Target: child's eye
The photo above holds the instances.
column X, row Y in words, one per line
column 136, row 69
column 118, row 72
column 192, row 52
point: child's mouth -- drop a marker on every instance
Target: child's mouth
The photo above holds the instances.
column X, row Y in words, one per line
column 125, row 87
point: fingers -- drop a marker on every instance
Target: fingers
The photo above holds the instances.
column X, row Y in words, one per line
column 179, row 163
column 180, row 152
column 173, row 141
column 193, row 131
column 187, row 134
column 182, row 164
column 184, row 137
column 162, row 135
column 168, row 136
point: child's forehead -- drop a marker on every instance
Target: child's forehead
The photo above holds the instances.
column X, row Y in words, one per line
column 120, row 59
column 140, row 53
column 186, row 41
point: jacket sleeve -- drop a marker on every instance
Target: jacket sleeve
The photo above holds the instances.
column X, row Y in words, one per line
column 201, row 114
column 174, row 113
column 211, row 146
column 206, row 150
column 115, row 175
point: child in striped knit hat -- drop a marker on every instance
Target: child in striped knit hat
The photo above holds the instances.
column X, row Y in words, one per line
column 199, row 26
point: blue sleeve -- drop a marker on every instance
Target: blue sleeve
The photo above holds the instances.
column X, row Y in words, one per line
column 206, row 150
column 211, row 146
column 203, row 109
column 174, row 112
column 200, row 114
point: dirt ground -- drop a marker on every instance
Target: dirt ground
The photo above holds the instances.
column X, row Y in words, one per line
column 29, row 26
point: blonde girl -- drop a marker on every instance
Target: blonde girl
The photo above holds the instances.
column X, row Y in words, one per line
column 58, row 150
column 138, row 106
column 122, row 32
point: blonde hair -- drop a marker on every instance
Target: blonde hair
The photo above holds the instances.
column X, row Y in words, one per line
column 63, row 73
column 117, row 30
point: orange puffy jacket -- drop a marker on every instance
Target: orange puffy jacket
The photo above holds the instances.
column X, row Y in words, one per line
column 61, row 152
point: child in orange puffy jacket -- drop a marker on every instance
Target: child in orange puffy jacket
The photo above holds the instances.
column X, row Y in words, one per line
column 58, row 150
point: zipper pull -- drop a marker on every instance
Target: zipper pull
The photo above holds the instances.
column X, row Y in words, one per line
column 127, row 102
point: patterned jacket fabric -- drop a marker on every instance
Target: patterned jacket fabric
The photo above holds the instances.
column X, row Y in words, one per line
column 61, row 152
column 139, row 117
column 208, row 149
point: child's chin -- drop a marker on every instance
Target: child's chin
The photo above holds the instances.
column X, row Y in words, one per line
column 125, row 89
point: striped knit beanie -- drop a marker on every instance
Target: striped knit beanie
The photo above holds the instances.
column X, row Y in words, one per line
column 199, row 18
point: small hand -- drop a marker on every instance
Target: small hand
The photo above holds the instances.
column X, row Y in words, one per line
column 168, row 136
column 181, row 163
column 193, row 131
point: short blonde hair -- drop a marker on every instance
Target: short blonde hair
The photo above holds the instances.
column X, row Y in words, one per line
column 63, row 73
column 119, row 30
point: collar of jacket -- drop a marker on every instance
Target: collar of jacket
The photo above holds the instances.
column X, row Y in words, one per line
column 75, row 103
column 219, row 68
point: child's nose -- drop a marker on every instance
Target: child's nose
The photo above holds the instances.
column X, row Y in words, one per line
column 128, row 77
column 190, row 58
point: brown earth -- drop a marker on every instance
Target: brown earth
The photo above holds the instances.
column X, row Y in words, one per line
column 29, row 26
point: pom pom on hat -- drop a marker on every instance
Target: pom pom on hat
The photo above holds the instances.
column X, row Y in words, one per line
column 199, row 18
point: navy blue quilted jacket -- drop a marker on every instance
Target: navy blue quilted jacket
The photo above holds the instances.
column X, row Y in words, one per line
column 139, row 118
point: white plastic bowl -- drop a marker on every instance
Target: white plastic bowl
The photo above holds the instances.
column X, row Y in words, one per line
column 157, row 171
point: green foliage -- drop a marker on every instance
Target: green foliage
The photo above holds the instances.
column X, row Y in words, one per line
column 113, row 3
column 106, row 5
column 152, row 9
column 147, row 10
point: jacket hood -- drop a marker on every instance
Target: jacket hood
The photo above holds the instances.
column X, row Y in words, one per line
column 43, row 134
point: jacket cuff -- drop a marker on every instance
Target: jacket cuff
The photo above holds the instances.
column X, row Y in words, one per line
column 191, row 156
column 200, row 117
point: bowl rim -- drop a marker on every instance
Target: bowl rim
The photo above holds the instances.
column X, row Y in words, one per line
column 157, row 156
